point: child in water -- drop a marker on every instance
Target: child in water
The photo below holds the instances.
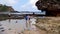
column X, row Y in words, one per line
column 27, row 17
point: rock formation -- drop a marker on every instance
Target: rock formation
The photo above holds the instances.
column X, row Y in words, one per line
column 5, row 8
column 49, row 24
column 10, row 8
column 52, row 7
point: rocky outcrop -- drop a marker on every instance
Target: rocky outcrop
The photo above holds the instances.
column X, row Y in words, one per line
column 49, row 24
column 52, row 7
column 10, row 8
column 5, row 8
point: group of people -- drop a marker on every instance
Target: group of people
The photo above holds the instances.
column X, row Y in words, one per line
column 29, row 21
column 27, row 18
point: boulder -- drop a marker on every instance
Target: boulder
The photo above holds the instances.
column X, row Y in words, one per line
column 52, row 7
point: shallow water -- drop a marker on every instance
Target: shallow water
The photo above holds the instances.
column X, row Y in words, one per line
column 15, row 26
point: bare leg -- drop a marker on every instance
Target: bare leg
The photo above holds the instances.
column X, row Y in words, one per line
column 27, row 24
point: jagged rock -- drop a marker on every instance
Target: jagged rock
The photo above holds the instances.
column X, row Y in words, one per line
column 52, row 7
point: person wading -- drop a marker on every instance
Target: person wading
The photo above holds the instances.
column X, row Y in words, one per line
column 27, row 17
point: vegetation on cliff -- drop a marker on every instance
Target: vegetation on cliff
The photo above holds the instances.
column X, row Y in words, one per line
column 5, row 8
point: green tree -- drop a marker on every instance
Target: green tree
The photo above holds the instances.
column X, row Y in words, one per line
column 3, row 8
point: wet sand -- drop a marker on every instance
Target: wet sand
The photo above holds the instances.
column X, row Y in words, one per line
column 17, row 26
column 38, row 31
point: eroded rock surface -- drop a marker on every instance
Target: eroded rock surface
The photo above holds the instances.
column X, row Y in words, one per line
column 49, row 24
column 52, row 7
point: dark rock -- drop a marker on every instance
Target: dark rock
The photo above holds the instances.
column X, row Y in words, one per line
column 2, row 30
column 9, row 29
column 52, row 7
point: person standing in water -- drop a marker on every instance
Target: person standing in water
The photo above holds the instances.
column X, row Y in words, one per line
column 27, row 17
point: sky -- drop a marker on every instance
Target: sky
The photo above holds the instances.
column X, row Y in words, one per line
column 21, row 5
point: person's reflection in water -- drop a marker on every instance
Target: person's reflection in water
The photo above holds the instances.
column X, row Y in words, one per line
column 16, row 22
column 0, row 24
column 9, row 20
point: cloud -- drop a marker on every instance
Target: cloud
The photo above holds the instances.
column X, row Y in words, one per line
column 33, row 3
column 25, row 5
column 30, row 5
column 8, row 2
